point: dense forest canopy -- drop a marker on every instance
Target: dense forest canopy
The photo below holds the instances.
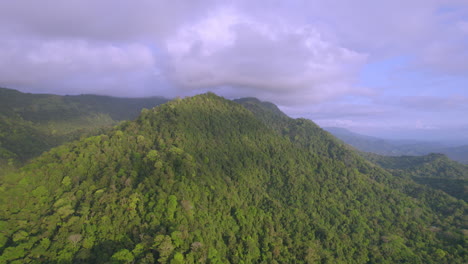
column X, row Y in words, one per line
column 435, row 170
column 205, row 179
column 33, row 123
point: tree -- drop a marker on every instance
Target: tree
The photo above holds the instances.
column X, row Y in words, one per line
column 122, row 256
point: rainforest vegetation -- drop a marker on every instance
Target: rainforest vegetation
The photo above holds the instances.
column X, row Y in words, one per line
column 208, row 180
column 435, row 170
column 33, row 123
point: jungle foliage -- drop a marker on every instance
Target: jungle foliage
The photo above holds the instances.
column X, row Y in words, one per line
column 33, row 123
column 207, row 180
column 434, row 170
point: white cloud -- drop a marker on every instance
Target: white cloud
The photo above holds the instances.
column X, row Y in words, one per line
column 421, row 125
column 58, row 63
column 293, row 63
column 311, row 50
column 302, row 53
column 444, row 57
column 463, row 27
column 103, row 20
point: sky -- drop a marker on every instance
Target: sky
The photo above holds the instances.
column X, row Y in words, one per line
column 389, row 68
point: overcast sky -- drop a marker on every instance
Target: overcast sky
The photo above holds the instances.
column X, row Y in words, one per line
column 394, row 68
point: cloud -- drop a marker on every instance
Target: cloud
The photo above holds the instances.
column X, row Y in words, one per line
column 26, row 62
column 432, row 32
column 299, row 50
column 421, row 125
column 104, row 20
column 305, row 55
column 290, row 62
column 433, row 103
column 444, row 57
column 463, row 27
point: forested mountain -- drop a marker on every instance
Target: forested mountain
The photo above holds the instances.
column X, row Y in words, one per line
column 398, row 147
column 367, row 143
column 208, row 180
column 435, row 170
column 33, row 123
column 459, row 153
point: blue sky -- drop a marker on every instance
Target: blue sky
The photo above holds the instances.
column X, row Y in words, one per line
column 396, row 69
column 429, row 105
column 409, row 103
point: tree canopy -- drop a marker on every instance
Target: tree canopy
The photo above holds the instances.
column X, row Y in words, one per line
column 205, row 179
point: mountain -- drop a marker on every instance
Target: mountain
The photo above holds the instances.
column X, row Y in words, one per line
column 33, row 123
column 364, row 143
column 459, row 153
column 435, row 170
column 398, row 147
column 209, row 180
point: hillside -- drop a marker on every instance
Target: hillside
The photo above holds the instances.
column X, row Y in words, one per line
column 434, row 170
column 208, row 180
column 33, row 123
column 459, row 153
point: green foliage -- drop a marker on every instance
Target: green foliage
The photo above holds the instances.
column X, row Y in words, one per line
column 19, row 236
column 122, row 256
column 434, row 170
column 204, row 180
column 31, row 124
column 178, row 258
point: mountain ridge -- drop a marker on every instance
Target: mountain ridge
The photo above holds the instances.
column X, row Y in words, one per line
column 204, row 179
column 435, row 170
column 33, row 123
column 398, row 147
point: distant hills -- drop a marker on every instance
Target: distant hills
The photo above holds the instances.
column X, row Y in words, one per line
column 398, row 147
column 208, row 180
column 33, row 123
column 435, row 170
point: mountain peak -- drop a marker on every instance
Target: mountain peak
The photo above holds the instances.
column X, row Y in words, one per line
column 256, row 105
column 204, row 179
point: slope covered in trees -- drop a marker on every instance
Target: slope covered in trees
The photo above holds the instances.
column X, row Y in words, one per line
column 434, row 170
column 33, row 123
column 203, row 179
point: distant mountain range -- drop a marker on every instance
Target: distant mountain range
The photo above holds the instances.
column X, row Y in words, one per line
column 434, row 170
column 398, row 147
column 33, row 123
